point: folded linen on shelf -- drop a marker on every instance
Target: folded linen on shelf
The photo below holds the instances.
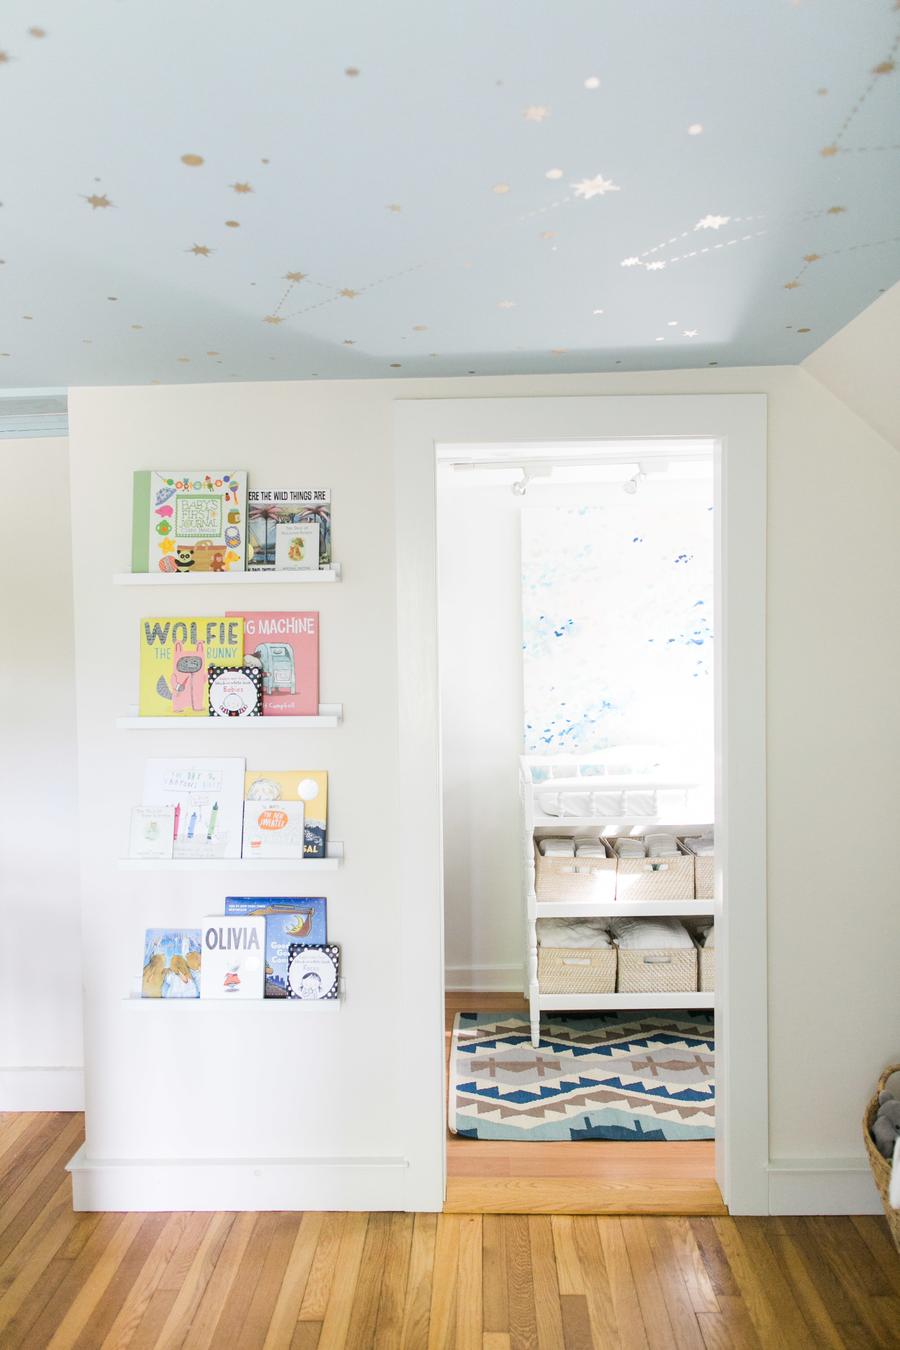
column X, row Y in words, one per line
column 557, row 848
column 706, row 935
column 572, row 933
column 630, row 848
column 661, row 845
column 589, row 851
column 645, row 934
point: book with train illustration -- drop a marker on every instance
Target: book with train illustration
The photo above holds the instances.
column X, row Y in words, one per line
column 190, row 522
column 175, row 653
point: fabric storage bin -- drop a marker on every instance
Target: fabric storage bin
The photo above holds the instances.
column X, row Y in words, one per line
column 577, row 970
column 558, row 879
column 655, row 878
column 657, row 970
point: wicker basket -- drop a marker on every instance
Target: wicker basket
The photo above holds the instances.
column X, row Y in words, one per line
column 658, row 970
column 704, row 877
column 655, row 878
column 577, row 970
column 559, row 879
column 706, row 961
column 881, row 1167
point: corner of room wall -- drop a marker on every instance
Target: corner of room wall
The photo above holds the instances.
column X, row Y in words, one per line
column 859, row 365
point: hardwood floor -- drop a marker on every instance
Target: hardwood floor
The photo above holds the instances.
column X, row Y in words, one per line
column 424, row 1281
column 494, row 1177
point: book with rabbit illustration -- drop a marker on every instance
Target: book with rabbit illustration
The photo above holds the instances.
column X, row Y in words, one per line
column 171, row 963
column 186, row 522
column 207, row 798
column 287, row 646
column 175, row 654
column 309, row 786
column 287, row 921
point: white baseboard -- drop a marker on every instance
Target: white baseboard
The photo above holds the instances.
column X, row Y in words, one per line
column 822, row 1186
column 484, row 979
column 238, row 1184
column 40, row 1089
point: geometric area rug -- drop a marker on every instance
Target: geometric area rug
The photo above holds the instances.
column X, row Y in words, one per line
column 597, row 1075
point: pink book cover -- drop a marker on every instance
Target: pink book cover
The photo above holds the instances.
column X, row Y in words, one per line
column 287, row 644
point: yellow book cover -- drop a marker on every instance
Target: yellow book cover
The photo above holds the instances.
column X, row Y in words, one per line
column 309, row 786
column 175, row 653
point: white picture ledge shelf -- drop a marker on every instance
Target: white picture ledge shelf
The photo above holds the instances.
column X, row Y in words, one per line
column 214, row 1005
column 300, row 576
column 329, row 715
column 330, row 863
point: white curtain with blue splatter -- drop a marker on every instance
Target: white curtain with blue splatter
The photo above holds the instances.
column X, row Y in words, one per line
column 617, row 628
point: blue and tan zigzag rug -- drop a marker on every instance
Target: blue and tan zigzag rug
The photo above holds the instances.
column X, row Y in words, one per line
column 638, row 1075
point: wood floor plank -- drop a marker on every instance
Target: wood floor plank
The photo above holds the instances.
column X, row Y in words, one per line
column 364, row 1313
column 520, row 1284
column 417, row 1302
column 95, row 1283
column 107, row 1307
column 135, row 1304
column 715, row 1261
column 568, row 1264
column 28, row 1152
column 306, row 1336
column 628, row 1315
column 202, row 1331
column 846, row 1257
column 547, row 1306
column 876, row 1235
column 442, row 1314
column 243, row 1286
column 469, row 1294
column 816, row 1315
column 657, row 1323
column 318, row 1286
column 495, row 1340
column 197, row 1277
column 395, row 1276
column 336, row 1321
column 673, row 1290
column 495, row 1295
column 43, row 1172
column 34, row 1260
column 293, row 1286
column 576, row 1322
column 691, row 1264
column 253, row 1333
column 38, row 1319
column 766, row 1318
column 592, row 1263
column 58, row 1208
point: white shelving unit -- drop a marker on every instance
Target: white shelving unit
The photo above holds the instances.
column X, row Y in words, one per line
column 330, row 863
column 602, row 1002
column 301, row 576
column 624, row 909
column 329, row 715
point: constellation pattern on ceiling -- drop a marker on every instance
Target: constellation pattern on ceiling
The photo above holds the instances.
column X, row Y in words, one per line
column 877, row 73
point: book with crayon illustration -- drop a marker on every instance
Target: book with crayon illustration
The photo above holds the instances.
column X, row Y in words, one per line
column 207, row 797
column 309, row 786
column 175, row 655
column 186, row 522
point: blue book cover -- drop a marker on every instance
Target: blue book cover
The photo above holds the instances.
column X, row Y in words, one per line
column 296, row 919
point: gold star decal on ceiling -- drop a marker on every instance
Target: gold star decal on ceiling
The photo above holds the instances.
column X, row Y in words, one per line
column 836, row 210
column 4, row 58
column 811, row 257
column 199, row 250
column 804, row 330
column 240, row 187
column 212, row 353
column 420, row 327
column 352, row 72
column 500, row 188
column 558, row 351
column 883, row 68
column 394, row 207
column 598, row 186
column 97, row 201
column 548, row 234
column 294, row 276
column 233, row 224
column 273, row 319
column 185, row 360
column 536, row 113
column 38, row 32
column 791, row 285
column 828, row 151
column 348, row 294
column 192, row 161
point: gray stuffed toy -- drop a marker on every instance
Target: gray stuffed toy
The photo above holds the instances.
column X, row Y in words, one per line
column 886, row 1125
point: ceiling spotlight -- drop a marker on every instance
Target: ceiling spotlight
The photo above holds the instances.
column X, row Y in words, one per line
column 521, row 487
column 529, row 472
column 631, row 484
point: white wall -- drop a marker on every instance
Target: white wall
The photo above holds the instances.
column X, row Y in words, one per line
column 859, row 365
column 40, row 952
column 834, row 723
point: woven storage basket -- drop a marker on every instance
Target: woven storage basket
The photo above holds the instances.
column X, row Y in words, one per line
column 706, row 961
column 558, row 879
column 704, row 877
column 881, row 1167
column 659, row 970
column 577, row 970
column 655, row 878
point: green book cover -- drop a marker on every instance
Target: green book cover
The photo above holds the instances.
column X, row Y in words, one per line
column 140, row 522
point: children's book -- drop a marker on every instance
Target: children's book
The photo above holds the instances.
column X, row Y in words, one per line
column 152, row 832
column 296, row 547
column 235, row 691
column 188, row 522
column 313, row 972
column 310, row 786
column 271, row 507
column 175, row 653
column 171, row 963
column 287, row 921
column 287, row 644
column 207, row 796
column 233, row 964
column 273, row 830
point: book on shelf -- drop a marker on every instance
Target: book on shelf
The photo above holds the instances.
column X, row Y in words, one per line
column 270, row 508
column 273, row 829
column 172, row 958
column 207, row 800
column 313, row 972
column 287, row 644
column 309, row 786
column 235, row 691
column 297, row 547
column 233, row 958
column 184, row 522
column 152, row 832
column 297, row 920
column 175, row 654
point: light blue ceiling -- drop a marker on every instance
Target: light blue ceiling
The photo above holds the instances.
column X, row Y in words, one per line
column 439, row 188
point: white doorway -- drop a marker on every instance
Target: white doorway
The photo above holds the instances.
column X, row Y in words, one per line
column 735, row 427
